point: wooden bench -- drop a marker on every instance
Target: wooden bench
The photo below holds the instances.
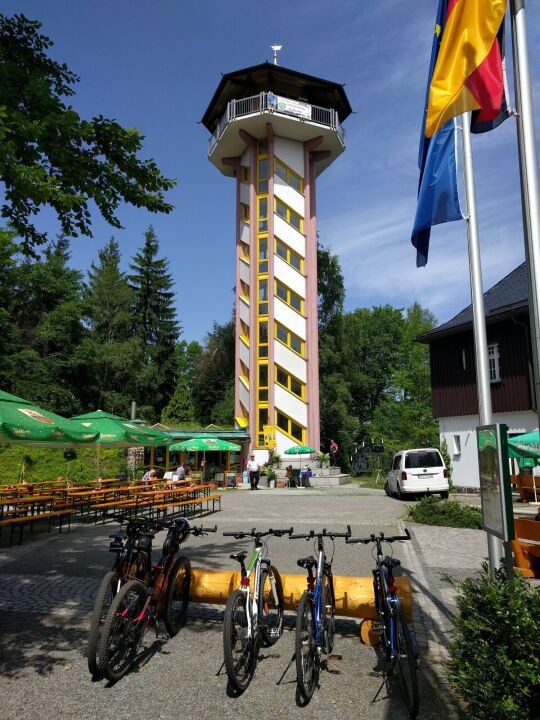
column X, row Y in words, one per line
column 21, row 520
column 526, row 553
column 191, row 504
column 525, row 487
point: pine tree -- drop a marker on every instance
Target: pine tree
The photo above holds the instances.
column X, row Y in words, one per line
column 154, row 323
column 116, row 354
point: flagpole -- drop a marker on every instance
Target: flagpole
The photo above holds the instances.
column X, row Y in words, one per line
column 479, row 315
column 529, row 178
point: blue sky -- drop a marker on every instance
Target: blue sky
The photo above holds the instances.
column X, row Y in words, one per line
column 155, row 65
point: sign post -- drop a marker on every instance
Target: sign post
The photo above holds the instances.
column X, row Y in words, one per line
column 495, row 489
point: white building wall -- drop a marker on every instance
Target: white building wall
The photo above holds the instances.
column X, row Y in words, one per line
column 290, row 361
column 289, row 235
column 244, row 271
column 246, row 158
column 243, row 394
column 243, row 311
column 244, row 193
column 460, row 435
column 292, row 406
column 244, row 232
column 291, row 277
column 289, row 318
column 288, row 195
column 291, row 152
column 244, row 355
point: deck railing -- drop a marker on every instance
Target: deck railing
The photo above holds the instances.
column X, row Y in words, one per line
column 259, row 103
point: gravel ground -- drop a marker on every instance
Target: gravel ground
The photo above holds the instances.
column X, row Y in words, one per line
column 46, row 593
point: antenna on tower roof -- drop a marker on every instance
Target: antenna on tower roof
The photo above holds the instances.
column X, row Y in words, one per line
column 276, row 49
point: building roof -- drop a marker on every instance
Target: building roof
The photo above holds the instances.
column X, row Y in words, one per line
column 210, row 431
column 280, row 80
column 502, row 300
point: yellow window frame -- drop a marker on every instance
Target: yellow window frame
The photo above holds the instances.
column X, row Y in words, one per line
column 244, row 332
column 289, row 252
column 289, row 335
column 289, row 293
column 290, row 377
column 259, row 435
column 287, row 432
column 244, row 212
column 289, row 172
column 244, row 290
column 288, row 212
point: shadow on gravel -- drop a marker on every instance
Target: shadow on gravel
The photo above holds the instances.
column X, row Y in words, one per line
column 28, row 644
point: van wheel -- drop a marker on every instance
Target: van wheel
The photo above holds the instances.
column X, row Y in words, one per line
column 444, row 495
column 399, row 494
column 387, row 489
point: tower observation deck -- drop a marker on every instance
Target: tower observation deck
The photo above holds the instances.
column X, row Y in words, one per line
column 275, row 130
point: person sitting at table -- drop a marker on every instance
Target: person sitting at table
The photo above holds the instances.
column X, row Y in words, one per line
column 149, row 477
column 289, row 476
column 180, row 472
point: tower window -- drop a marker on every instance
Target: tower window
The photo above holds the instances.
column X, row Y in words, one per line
column 288, row 175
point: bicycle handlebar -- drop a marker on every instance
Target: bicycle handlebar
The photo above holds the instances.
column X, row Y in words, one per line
column 379, row 538
column 253, row 533
column 325, row 533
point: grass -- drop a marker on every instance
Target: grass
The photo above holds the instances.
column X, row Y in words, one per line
column 369, row 481
column 432, row 510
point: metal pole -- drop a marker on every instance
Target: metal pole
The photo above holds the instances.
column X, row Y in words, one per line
column 528, row 177
column 479, row 315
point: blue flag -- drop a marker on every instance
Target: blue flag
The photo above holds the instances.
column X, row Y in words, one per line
column 438, row 200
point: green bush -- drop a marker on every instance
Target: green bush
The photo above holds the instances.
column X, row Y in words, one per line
column 42, row 464
column 431, row 510
column 495, row 649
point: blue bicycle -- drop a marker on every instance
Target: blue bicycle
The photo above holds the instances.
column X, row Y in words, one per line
column 398, row 643
column 315, row 615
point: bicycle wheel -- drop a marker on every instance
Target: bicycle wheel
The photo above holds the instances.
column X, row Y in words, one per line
column 271, row 613
column 107, row 591
column 239, row 649
column 407, row 663
column 121, row 631
column 307, row 659
column 330, row 622
column 177, row 599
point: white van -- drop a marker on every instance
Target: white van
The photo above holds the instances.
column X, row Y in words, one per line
column 421, row 470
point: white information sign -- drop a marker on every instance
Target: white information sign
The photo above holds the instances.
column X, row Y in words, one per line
column 291, row 107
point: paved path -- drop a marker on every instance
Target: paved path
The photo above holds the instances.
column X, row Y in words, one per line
column 48, row 584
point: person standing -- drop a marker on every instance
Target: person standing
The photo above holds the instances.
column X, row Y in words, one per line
column 253, row 469
column 334, row 447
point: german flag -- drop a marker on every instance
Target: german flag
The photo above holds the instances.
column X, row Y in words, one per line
column 468, row 75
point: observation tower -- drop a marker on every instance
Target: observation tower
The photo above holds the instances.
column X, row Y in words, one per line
column 275, row 130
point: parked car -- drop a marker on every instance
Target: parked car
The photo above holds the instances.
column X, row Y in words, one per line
column 420, row 470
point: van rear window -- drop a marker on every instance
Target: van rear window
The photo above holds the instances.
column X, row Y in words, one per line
column 423, row 459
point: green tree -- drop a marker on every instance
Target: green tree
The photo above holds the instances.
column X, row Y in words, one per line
column 155, row 324
column 180, row 408
column 403, row 416
column 116, row 354
column 49, row 156
column 48, row 366
column 9, row 331
column 215, row 374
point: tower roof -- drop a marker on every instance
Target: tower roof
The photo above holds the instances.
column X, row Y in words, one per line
column 279, row 80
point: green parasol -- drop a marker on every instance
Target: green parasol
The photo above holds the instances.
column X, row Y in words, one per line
column 300, row 450
column 202, row 444
column 120, row 432
column 526, row 445
column 23, row 423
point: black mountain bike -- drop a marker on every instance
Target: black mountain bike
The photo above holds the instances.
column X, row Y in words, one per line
column 159, row 591
column 398, row 643
column 315, row 624
column 254, row 613
column 123, row 543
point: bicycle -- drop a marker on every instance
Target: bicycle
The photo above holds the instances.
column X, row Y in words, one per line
column 253, row 615
column 122, row 544
column 315, row 623
column 152, row 593
column 399, row 645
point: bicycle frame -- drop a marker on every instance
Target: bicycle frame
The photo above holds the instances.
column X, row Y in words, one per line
column 252, row 599
column 317, row 594
column 386, row 599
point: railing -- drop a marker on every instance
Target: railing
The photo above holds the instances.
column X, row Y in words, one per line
column 259, row 103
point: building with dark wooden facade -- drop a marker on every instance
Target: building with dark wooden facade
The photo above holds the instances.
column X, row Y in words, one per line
column 453, row 373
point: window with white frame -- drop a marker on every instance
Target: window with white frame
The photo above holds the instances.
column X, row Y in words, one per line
column 494, row 367
column 457, row 445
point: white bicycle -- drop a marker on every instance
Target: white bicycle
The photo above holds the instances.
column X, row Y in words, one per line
column 254, row 612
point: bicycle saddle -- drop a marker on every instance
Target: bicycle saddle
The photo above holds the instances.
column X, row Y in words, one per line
column 308, row 562
column 241, row 556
